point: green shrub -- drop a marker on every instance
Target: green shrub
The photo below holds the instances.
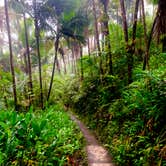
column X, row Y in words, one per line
column 46, row 137
column 129, row 120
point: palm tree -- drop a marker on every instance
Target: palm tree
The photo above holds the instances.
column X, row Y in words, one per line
column 56, row 46
column 19, row 7
column 11, row 55
column 67, row 27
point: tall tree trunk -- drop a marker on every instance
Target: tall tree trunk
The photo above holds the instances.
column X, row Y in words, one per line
column 88, row 45
column 146, row 57
column 25, row 62
column 135, row 22
column 164, row 44
column 125, row 30
column 125, row 27
column 162, row 16
column 11, row 55
column 29, row 60
column 73, row 60
column 159, row 29
column 56, row 45
column 58, row 65
column 107, row 37
column 81, row 57
column 61, row 51
column 96, row 27
column 37, row 33
column 131, row 49
column 97, row 36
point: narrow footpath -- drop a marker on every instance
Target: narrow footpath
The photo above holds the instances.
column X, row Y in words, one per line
column 97, row 155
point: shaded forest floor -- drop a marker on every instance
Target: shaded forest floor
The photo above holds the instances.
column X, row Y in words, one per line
column 96, row 154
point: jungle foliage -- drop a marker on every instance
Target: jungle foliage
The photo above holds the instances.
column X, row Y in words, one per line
column 128, row 119
column 103, row 59
column 38, row 138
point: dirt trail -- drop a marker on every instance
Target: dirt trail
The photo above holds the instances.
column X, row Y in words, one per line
column 97, row 155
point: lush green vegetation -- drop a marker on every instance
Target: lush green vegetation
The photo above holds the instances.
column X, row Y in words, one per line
column 103, row 59
column 38, row 138
column 128, row 119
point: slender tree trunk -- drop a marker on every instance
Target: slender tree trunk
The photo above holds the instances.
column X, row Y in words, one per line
column 97, row 36
column 74, row 57
column 29, row 60
column 164, row 44
column 96, row 27
column 117, row 29
column 38, row 52
column 5, row 101
column 63, row 59
column 88, row 43
column 131, row 50
column 81, row 57
column 58, row 65
column 68, row 61
column 135, row 22
column 125, row 27
column 73, row 60
column 159, row 25
column 146, row 57
column 162, row 22
column 56, row 44
column 64, row 63
column 11, row 55
column 107, row 37
column 25, row 62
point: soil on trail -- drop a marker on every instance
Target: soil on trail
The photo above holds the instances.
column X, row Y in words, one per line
column 97, row 155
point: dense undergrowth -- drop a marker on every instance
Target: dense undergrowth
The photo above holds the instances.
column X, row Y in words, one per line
column 46, row 137
column 129, row 119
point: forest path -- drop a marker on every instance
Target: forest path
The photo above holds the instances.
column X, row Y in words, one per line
column 97, row 155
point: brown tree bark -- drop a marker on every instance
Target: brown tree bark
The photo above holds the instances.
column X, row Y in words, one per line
column 131, row 49
column 159, row 25
column 146, row 57
column 29, row 60
column 61, row 51
column 125, row 27
column 11, row 55
column 56, row 45
column 135, row 22
column 81, row 56
column 106, row 34
column 37, row 33
column 97, row 36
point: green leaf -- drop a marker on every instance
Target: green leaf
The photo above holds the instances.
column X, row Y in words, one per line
column 36, row 128
column 43, row 124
